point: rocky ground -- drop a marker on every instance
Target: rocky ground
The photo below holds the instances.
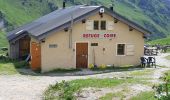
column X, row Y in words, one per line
column 31, row 87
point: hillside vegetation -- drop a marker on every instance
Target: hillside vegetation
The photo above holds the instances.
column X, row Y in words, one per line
column 164, row 41
column 154, row 15
column 3, row 40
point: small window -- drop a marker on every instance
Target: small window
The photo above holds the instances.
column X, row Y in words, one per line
column 103, row 25
column 96, row 25
column 121, row 49
column 94, row 44
column 52, row 45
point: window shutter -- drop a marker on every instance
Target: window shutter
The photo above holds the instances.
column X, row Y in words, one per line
column 89, row 25
column 130, row 49
column 110, row 25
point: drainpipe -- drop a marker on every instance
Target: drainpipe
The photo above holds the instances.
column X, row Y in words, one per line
column 71, row 31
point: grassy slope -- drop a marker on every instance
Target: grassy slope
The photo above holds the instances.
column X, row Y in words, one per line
column 7, row 69
column 3, row 40
column 11, row 67
column 14, row 13
column 163, row 41
column 144, row 96
column 18, row 14
column 168, row 57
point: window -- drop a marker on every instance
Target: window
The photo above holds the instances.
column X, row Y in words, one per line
column 94, row 44
column 96, row 25
column 121, row 49
column 103, row 25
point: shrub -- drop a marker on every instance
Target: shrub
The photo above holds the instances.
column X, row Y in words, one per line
column 91, row 66
column 21, row 64
column 163, row 89
column 103, row 66
column 64, row 92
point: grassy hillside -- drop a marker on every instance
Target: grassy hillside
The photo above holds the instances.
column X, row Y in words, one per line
column 163, row 41
column 3, row 40
column 155, row 18
column 18, row 12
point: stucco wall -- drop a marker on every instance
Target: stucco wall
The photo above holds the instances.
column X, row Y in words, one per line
column 65, row 57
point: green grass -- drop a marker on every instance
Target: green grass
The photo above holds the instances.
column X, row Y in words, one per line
column 3, row 40
column 121, row 95
column 164, row 87
column 168, row 57
column 108, row 96
column 10, row 67
column 142, row 72
column 163, row 41
column 111, row 96
column 7, row 69
column 2, row 53
column 66, row 90
column 144, row 96
column 18, row 14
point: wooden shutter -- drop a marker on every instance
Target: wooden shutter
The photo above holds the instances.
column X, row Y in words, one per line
column 89, row 25
column 130, row 49
column 110, row 25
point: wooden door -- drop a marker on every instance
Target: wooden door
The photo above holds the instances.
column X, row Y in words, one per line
column 35, row 56
column 82, row 55
column 24, row 47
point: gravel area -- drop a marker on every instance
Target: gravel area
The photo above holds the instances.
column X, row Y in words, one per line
column 28, row 87
column 127, row 92
column 160, row 60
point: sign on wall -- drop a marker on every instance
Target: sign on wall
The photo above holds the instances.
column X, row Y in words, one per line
column 99, row 35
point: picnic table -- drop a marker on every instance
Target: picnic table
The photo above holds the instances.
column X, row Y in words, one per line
column 149, row 51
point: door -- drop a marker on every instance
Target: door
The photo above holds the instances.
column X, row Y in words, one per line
column 35, row 56
column 81, row 55
column 24, row 47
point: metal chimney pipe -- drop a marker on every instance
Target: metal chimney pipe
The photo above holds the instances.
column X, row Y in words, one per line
column 64, row 4
column 111, row 8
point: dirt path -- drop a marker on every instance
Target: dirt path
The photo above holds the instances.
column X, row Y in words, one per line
column 160, row 60
column 23, row 87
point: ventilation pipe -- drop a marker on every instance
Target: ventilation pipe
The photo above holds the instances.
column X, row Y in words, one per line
column 111, row 8
column 64, row 4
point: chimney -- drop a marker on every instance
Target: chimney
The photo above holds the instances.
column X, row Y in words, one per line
column 111, row 8
column 64, row 4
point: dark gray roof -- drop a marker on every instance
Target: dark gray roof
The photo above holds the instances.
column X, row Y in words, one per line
column 61, row 19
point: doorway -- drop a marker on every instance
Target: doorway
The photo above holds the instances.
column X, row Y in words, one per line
column 35, row 56
column 81, row 55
